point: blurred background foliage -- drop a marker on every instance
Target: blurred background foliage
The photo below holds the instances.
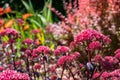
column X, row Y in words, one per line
column 38, row 6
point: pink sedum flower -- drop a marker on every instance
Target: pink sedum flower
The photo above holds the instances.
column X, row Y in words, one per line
column 65, row 59
column 98, row 58
column 1, row 68
column 117, row 54
column 90, row 35
column 62, row 60
column 34, row 31
column 9, row 32
column 37, row 66
column 74, row 56
column 61, row 50
column 117, row 51
column 13, row 75
column 105, row 75
column 95, row 45
column 43, row 49
column 28, row 41
column 95, row 75
column 109, row 62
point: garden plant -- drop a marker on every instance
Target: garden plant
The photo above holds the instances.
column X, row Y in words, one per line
column 83, row 45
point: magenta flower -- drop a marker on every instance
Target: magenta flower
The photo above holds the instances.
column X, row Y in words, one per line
column 28, row 41
column 98, row 58
column 2, row 33
column 13, row 75
column 37, row 66
column 61, row 50
column 34, row 31
column 19, row 62
column 109, row 62
column 95, row 45
column 106, row 40
column 20, row 21
column 90, row 35
column 117, row 56
column 62, row 60
column 9, row 32
column 65, row 59
column 28, row 53
column 115, row 73
column 105, row 75
column 74, row 56
column 96, row 75
column 43, row 49
column 117, row 51
column 1, row 68
column 53, row 77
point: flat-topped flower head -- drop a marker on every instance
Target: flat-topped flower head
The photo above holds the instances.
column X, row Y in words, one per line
column 65, row 59
column 34, row 31
column 91, row 35
column 109, row 62
column 13, row 75
column 117, row 51
column 61, row 50
column 9, row 32
column 62, row 60
column 75, row 55
column 95, row 45
column 117, row 54
column 105, row 75
column 43, row 49
column 28, row 41
column 37, row 66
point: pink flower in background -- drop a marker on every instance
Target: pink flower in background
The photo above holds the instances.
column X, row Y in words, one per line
column 43, row 49
column 98, row 58
column 37, row 66
column 28, row 41
column 113, row 75
column 19, row 62
column 105, row 75
column 34, row 31
column 9, row 32
column 61, row 50
column 75, row 55
column 109, row 62
column 66, row 59
column 91, row 35
column 117, row 51
column 1, row 68
column 117, row 56
column 53, row 77
column 62, row 60
column 106, row 40
column 95, row 45
column 13, row 75
column 28, row 52
column 95, row 75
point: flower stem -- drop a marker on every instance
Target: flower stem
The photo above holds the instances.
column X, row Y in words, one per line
column 27, row 66
column 13, row 56
column 71, row 73
column 44, row 69
column 63, row 71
